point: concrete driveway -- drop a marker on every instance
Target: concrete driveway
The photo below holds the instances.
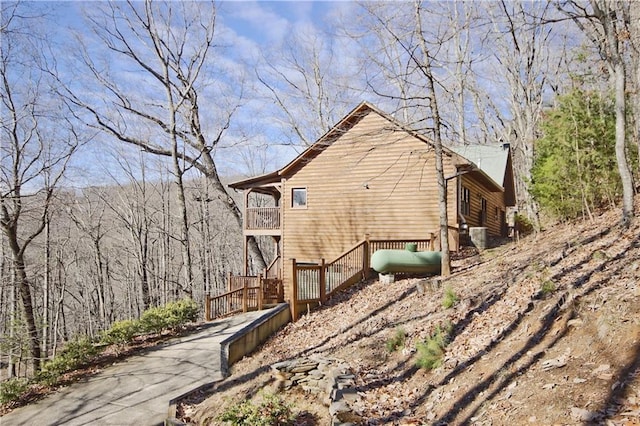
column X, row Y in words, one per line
column 137, row 391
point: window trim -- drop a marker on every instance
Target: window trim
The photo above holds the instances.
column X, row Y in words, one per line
column 484, row 211
column 293, row 191
column 465, row 201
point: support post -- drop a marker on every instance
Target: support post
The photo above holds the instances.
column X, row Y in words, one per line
column 245, row 296
column 245, row 237
column 260, row 292
column 294, row 291
column 323, row 282
column 245, row 253
column 207, row 308
column 366, row 256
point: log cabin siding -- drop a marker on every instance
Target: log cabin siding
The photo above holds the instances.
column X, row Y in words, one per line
column 494, row 200
column 375, row 179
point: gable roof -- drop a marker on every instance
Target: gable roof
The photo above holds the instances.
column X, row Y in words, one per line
column 349, row 121
column 490, row 159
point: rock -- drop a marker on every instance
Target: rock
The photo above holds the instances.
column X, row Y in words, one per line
column 550, row 364
column 603, row 372
column 602, row 368
column 559, row 362
column 283, row 365
column 298, row 377
column 582, row 415
column 303, row 368
column 311, row 389
column 346, row 419
column 350, row 395
column 387, row 278
column 338, row 407
column 321, row 375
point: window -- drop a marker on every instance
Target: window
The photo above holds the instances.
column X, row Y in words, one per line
column 483, row 212
column 465, row 202
column 299, row 197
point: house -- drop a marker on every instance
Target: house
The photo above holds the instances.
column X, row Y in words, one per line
column 369, row 178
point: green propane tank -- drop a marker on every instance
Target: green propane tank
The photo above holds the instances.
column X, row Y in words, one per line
column 406, row 261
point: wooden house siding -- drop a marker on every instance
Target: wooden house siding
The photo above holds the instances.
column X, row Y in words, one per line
column 371, row 177
column 494, row 223
column 375, row 180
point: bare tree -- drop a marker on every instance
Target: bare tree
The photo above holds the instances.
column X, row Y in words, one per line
column 634, row 31
column 307, row 74
column 130, row 204
column 88, row 214
column 523, row 60
column 419, row 49
column 171, row 45
column 37, row 143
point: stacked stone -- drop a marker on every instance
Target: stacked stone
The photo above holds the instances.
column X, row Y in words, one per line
column 320, row 375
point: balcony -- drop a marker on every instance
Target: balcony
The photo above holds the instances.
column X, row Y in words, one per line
column 262, row 221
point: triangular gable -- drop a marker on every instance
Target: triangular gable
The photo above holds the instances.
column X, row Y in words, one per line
column 348, row 122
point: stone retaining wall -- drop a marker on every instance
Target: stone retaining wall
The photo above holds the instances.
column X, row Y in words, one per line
column 322, row 376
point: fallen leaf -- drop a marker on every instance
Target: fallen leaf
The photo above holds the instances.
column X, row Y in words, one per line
column 582, row 415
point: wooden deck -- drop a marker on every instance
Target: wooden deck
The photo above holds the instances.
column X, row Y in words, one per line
column 312, row 283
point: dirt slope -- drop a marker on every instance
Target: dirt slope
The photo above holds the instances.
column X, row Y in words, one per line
column 517, row 355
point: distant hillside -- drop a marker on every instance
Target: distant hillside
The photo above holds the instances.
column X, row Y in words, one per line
column 546, row 331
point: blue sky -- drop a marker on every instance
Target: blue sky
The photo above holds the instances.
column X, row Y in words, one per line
column 248, row 28
column 261, row 22
column 254, row 37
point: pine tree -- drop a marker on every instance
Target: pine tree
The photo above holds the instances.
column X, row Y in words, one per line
column 575, row 169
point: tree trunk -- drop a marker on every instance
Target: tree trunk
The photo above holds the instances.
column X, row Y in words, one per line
column 186, row 242
column 211, row 172
column 613, row 25
column 621, row 155
column 11, row 367
column 27, row 305
column 425, row 65
column 634, row 27
column 47, row 288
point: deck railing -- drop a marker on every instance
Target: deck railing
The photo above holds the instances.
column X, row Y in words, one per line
column 422, row 245
column 245, row 294
column 312, row 283
column 315, row 283
column 262, row 218
column 235, row 282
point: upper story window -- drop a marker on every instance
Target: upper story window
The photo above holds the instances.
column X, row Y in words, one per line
column 465, row 201
column 299, row 197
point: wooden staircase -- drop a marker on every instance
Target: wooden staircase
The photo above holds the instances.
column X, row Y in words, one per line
column 312, row 284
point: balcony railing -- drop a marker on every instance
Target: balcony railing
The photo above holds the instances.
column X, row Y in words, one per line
column 262, row 218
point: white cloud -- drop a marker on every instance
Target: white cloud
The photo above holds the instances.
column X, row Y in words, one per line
column 256, row 20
